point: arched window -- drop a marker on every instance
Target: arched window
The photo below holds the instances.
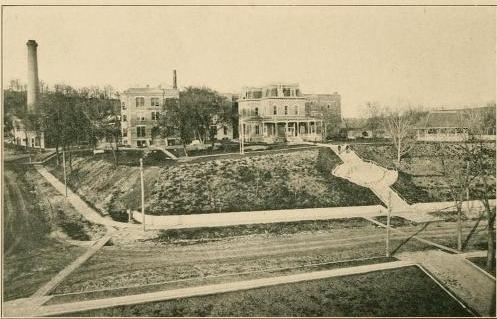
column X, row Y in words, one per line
column 286, row 109
column 256, row 111
column 275, row 110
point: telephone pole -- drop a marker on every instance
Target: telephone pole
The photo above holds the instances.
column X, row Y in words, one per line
column 142, row 193
column 242, row 137
column 389, row 211
column 64, row 165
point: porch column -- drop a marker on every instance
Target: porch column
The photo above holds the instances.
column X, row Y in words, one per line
column 286, row 129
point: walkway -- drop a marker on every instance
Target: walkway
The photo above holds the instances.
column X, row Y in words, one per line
column 81, row 206
column 61, row 309
column 475, row 288
column 370, row 175
column 55, row 281
column 257, row 217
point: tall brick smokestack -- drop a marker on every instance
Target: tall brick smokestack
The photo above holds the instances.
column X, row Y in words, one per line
column 33, row 83
column 175, row 84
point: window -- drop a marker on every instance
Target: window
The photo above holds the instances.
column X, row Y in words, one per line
column 286, row 110
column 140, row 131
column 274, row 92
column 286, row 92
column 125, row 118
column 155, row 116
column 297, row 92
column 296, row 110
column 275, row 110
column 257, row 129
column 123, row 106
column 154, row 101
column 225, row 130
column 140, row 118
column 328, row 106
column 257, row 94
column 125, row 132
column 256, row 111
column 140, row 101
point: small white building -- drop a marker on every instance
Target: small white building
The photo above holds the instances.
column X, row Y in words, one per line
column 23, row 137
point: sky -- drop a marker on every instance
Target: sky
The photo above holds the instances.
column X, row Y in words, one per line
column 431, row 56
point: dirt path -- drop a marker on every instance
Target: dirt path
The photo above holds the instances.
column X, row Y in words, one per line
column 16, row 208
column 467, row 282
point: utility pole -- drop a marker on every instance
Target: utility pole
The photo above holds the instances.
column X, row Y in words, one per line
column 142, row 193
column 64, row 164
column 389, row 211
column 242, row 137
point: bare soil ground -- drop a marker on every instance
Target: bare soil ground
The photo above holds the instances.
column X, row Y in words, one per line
column 154, row 261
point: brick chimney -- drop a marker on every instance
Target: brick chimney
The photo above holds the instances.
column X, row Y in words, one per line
column 175, row 84
column 33, row 82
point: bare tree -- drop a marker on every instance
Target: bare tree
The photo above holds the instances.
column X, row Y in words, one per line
column 399, row 125
column 481, row 157
column 457, row 177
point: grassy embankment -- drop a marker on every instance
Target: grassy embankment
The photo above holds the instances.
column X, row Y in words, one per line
column 420, row 173
column 380, row 293
column 293, row 179
column 37, row 224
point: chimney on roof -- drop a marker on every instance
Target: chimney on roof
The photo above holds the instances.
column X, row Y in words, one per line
column 175, row 84
column 33, row 82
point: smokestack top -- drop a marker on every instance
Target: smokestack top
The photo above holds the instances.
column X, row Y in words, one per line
column 32, row 43
column 175, row 84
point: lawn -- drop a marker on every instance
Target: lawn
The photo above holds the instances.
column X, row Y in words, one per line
column 420, row 173
column 380, row 293
column 286, row 179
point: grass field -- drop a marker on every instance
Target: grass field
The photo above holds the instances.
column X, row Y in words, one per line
column 283, row 180
column 381, row 293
